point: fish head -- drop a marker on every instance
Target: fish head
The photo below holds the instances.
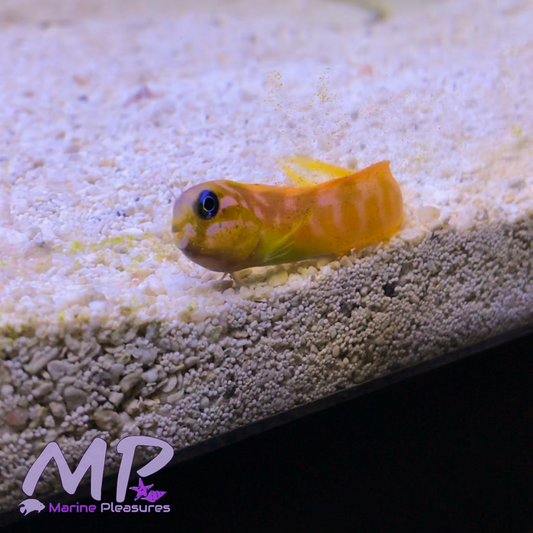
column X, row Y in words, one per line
column 214, row 226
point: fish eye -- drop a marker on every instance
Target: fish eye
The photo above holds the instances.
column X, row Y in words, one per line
column 207, row 205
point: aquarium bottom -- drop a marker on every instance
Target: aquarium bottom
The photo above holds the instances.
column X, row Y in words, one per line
column 453, row 436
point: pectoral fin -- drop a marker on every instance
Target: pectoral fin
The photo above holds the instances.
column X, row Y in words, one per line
column 314, row 166
column 277, row 247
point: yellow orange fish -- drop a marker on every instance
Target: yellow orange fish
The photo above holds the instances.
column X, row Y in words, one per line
column 227, row 226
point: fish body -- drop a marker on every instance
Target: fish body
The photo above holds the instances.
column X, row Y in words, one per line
column 29, row 505
column 227, row 226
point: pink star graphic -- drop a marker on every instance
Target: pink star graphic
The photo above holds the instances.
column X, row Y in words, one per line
column 142, row 489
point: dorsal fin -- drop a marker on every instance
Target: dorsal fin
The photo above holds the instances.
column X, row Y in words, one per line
column 314, row 166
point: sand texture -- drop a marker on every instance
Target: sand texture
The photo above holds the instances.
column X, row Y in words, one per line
column 107, row 330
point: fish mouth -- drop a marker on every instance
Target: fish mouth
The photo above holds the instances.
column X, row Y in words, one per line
column 177, row 226
column 180, row 217
column 182, row 243
column 183, row 231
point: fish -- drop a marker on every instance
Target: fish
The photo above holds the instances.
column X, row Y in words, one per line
column 227, row 226
column 29, row 505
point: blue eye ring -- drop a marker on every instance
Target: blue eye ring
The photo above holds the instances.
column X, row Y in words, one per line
column 207, row 205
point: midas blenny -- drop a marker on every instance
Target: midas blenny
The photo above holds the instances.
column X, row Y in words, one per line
column 227, row 226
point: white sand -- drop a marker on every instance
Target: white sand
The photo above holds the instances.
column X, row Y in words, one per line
column 102, row 105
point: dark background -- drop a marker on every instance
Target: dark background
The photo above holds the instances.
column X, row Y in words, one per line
column 448, row 450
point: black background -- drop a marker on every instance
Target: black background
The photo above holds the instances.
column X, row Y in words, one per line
column 448, row 450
